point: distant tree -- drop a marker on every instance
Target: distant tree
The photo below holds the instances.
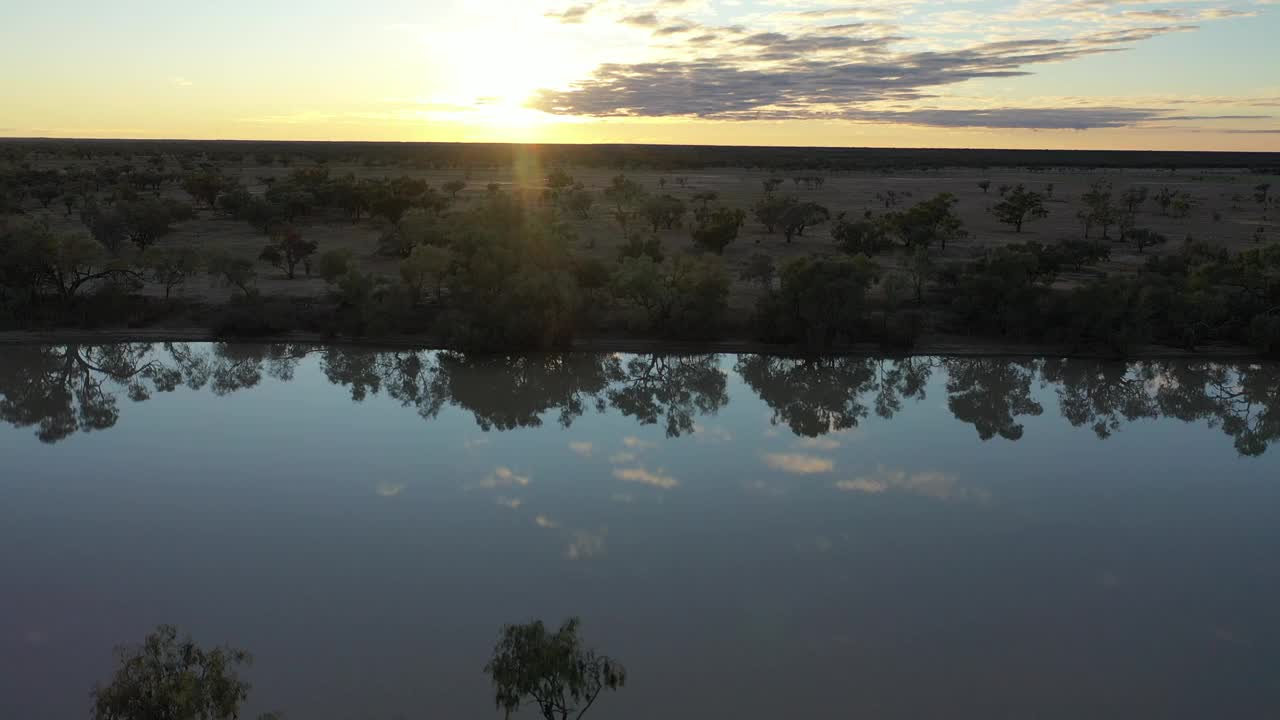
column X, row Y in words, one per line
column 170, row 267
column 207, row 186
column 639, row 246
column 1134, row 198
column 551, row 671
column 333, row 264
column 626, row 196
column 558, row 182
column 288, row 249
column 453, row 187
column 146, row 221
column 232, row 271
column 1019, row 206
column 1079, row 253
column 704, row 200
column 426, row 267
column 770, row 209
column 1181, row 205
column 1164, row 198
column 801, row 216
column 1143, row 238
column 107, row 226
column 760, row 269
column 167, row 678
column 69, row 202
column 46, row 194
column 860, row 237
column 1099, row 210
column 920, row 269
column 578, row 201
column 985, row 185
column 715, row 230
column 1261, row 192
column 1004, row 189
column 663, row 211
column 927, row 222
column 771, row 184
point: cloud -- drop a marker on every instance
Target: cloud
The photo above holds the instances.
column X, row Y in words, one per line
column 636, row 443
column 386, row 489
column 930, row 484
column 180, row 82
column 640, row 475
column 503, row 477
column 713, row 434
column 513, row 503
column 581, row 448
column 572, row 15
column 543, row 521
column 859, row 72
column 622, row 458
column 799, row 463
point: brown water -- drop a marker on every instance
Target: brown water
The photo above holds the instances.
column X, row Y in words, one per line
column 753, row 537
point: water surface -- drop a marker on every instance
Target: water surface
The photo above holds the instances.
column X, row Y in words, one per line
column 753, row 537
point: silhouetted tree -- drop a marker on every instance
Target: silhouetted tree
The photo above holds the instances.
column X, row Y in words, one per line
column 552, row 671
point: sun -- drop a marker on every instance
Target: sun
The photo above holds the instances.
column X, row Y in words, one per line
column 497, row 62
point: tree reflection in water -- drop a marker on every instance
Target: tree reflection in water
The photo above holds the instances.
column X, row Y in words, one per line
column 64, row 389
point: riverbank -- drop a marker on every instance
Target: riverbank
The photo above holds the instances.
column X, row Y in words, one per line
column 929, row 345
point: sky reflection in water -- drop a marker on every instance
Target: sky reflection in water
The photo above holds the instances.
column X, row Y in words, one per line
column 755, row 537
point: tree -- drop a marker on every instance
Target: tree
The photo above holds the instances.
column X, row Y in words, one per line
column 232, row 271
column 638, row 246
column 1143, row 238
column 558, row 182
column 818, row 300
column 146, row 221
column 770, row 209
column 170, row 266
column 453, row 187
column 46, row 194
column 718, row 228
column 427, row 266
column 69, row 201
column 771, row 184
column 1164, row 198
column 1099, row 209
column 926, row 222
column 800, row 216
column 1134, row 198
column 685, row 298
column 985, row 185
column 552, row 671
column 920, row 269
column 759, row 269
column 207, row 186
column 287, row 249
column 107, row 226
column 663, row 211
column 860, row 237
column 626, row 196
column 167, row 678
column 578, row 200
column 1019, row 206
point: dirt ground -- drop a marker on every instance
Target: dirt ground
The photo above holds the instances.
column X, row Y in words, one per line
column 1215, row 217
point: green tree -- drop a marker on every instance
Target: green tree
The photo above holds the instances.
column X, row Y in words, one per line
column 770, row 209
column 207, row 186
column 685, row 298
column 819, row 300
column 927, row 222
column 170, row 267
column 1019, row 206
column 802, row 215
column 860, row 237
column 552, row 671
column 232, row 271
column 426, row 267
column 985, row 185
column 626, row 196
column 716, row 229
column 168, row 678
column 663, row 211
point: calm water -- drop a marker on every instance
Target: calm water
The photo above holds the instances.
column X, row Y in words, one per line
column 753, row 537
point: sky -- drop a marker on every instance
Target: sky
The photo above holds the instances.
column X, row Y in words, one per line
column 1101, row 74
